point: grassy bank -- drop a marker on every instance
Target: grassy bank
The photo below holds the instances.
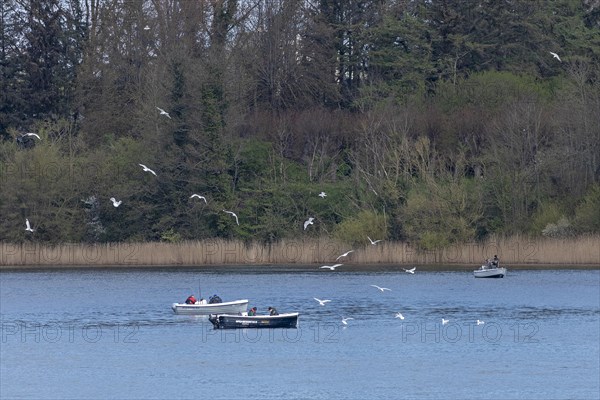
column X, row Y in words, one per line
column 513, row 250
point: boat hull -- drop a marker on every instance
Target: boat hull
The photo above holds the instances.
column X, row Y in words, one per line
column 489, row 273
column 229, row 307
column 228, row 321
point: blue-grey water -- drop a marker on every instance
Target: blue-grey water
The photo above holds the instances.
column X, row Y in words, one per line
column 80, row 334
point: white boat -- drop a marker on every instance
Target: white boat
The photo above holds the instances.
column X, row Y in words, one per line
column 228, row 307
column 489, row 272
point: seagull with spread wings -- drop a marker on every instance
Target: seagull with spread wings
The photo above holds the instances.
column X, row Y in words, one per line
column 146, row 169
column 163, row 112
column 331, row 267
column 234, row 215
column 322, row 302
column 198, row 196
column 344, row 255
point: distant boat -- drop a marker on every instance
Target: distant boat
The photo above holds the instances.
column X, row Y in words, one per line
column 231, row 321
column 236, row 306
column 486, row 271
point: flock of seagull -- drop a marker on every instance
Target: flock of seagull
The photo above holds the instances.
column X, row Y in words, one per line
column 345, row 320
column 398, row 315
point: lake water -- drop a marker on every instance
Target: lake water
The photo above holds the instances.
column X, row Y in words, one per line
column 105, row 333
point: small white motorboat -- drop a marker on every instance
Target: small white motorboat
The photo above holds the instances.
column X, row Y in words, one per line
column 487, row 271
column 228, row 307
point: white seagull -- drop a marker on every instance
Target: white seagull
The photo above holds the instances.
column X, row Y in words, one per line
column 480, row 322
column 410, row 271
column 322, row 195
column 344, row 320
column 381, row 288
column 308, row 222
column 235, row 216
column 445, row 321
column 344, row 255
column 32, row 134
column 146, row 28
column 115, row 202
column 332, row 267
column 28, row 226
column 321, row 302
column 163, row 112
column 399, row 315
column 198, row 196
column 555, row 56
column 146, row 169
column 374, row 242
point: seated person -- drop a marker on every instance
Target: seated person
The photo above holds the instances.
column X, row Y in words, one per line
column 252, row 311
column 202, row 301
column 214, row 299
column 190, row 300
column 273, row 311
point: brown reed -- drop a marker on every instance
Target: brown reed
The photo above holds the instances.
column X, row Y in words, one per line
column 584, row 250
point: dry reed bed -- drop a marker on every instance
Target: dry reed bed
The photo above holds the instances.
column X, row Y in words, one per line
column 511, row 250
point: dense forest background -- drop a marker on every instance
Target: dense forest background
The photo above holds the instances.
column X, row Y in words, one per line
column 432, row 122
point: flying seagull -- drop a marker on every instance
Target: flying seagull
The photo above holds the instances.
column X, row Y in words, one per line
column 480, row 322
column 146, row 169
column 235, row 216
column 308, row 222
column 410, row 271
column 163, row 112
column 344, row 255
column 374, row 242
column 322, row 195
column 32, row 134
column 198, row 196
column 555, row 56
column 380, row 288
column 399, row 315
column 445, row 321
column 344, row 320
column 321, row 302
column 332, row 267
column 146, row 28
column 28, row 226
column 115, row 202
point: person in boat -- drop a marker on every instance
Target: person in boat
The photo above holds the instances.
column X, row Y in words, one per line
column 190, row 300
column 202, row 300
column 252, row 311
column 495, row 261
column 214, row 299
column 273, row 311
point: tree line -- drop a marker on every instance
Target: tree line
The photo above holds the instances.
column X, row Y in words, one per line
column 431, row 122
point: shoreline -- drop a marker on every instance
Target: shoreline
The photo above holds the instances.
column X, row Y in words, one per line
column 375, row 267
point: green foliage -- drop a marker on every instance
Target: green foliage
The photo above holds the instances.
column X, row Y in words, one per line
column 442, row 213
column 546, row 214
column 170, row 236
column 587, row 214
column 438, row 122
column 355, row 230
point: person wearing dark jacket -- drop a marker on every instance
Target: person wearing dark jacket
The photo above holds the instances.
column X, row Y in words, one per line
column 495, row 261
column 273, row 311
column 214, row 299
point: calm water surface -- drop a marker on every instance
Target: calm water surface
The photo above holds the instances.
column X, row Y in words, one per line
column 80, row 334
